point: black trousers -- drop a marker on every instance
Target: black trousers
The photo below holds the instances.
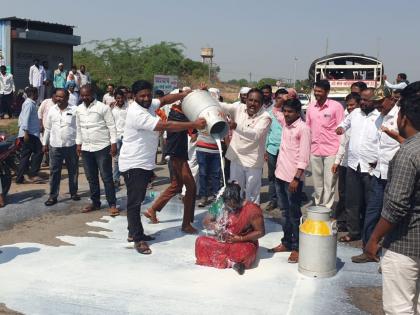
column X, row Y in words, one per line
column 30, row 159
column 92, row 162
column 358, row 189
column 6, row 101
column 340, row 209
column 69, row 155
column 136, row 181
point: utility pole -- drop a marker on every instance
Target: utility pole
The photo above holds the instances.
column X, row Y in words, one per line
column 250, row 78
column 294, row 73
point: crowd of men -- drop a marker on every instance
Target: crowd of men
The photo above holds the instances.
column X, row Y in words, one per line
column 371, row 146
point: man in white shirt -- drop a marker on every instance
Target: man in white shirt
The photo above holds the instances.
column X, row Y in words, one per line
column 42, row 115
column 96, row 143
column 84, row 76
column 137, row 156
column 340, row 164
column 60, row 142
column 119, row 111
column 387, row 149
column 36, row 79
column 401, row 82
column 7, row 88
column 108, row 98
column 250, row 123
column 362, row 157
column 74, row 98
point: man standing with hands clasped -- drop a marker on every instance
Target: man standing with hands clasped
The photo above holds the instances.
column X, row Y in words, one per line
column 292, row 161
column 96, row 142
column 60, row 142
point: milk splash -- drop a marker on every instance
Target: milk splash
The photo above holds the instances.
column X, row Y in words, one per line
column 222, row 163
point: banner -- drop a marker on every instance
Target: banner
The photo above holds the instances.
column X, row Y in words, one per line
column 166, row 83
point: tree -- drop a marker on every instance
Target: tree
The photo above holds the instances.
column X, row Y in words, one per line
column 122, row 62
column 265, row 81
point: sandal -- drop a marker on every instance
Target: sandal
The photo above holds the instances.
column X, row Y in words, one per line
column 346, row 239
column 204, row 203
column 151, row 215
column 142, row 248
column 90, row 208
column 130, row 239
column 113, row 211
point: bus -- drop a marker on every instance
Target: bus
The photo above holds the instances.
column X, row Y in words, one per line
column 343, row 69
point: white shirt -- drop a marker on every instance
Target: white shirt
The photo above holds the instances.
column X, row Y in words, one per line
column 108, row 99
column 44, row 108
column 95, row 126
column 36, row 76
column 74, row 98
column 387, row 146
column 7, row 84
column 60, row 127
column 247, row 146
column 140, row 141
column 341, row 157
column 364, row 139
column 398, row 86
column 120, row 114
column 84, row 78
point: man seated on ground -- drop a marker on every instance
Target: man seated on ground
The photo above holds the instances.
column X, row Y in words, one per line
column 237, row 226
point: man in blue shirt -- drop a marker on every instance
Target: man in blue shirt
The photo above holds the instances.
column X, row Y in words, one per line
column 29, row 128
column 272, row 146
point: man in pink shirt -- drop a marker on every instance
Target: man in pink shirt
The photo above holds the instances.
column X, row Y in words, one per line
column 323, row 117
column 292, row 161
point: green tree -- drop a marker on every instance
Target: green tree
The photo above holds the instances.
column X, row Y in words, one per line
column 122, row 62
column 264, row 81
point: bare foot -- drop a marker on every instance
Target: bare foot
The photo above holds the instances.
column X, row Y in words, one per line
column 151, row 215
column 189, row 229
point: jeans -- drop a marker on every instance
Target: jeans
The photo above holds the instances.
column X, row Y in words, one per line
column 291, row 203
column 358, row 186
column 115, row 170
column 30, row 159
column 136, row 181
column 102, row 160
column 374, row 207
column 69, row 155
column 181, row 175
column 271, row 163
column 209, row 173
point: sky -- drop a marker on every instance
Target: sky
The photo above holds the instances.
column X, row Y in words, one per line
column 259, row 37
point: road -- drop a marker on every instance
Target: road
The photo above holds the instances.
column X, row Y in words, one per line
column 59, row 261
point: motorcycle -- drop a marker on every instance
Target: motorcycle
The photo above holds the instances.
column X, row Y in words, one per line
column 9, row 160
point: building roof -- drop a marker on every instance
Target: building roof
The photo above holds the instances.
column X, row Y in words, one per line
column 38, row 25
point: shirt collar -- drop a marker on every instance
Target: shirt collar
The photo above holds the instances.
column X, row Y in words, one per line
column 295, row 123
column 323, row 105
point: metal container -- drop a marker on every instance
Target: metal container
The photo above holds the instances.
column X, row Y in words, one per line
column 318, row 243
column 200, row 104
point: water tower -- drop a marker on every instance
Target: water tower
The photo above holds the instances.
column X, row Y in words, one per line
column 207, row 55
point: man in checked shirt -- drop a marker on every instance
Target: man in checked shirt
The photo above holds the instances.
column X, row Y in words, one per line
column 400, row 218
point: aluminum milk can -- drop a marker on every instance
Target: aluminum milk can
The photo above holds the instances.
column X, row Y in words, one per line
column 200, row 104
column 318, row 243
